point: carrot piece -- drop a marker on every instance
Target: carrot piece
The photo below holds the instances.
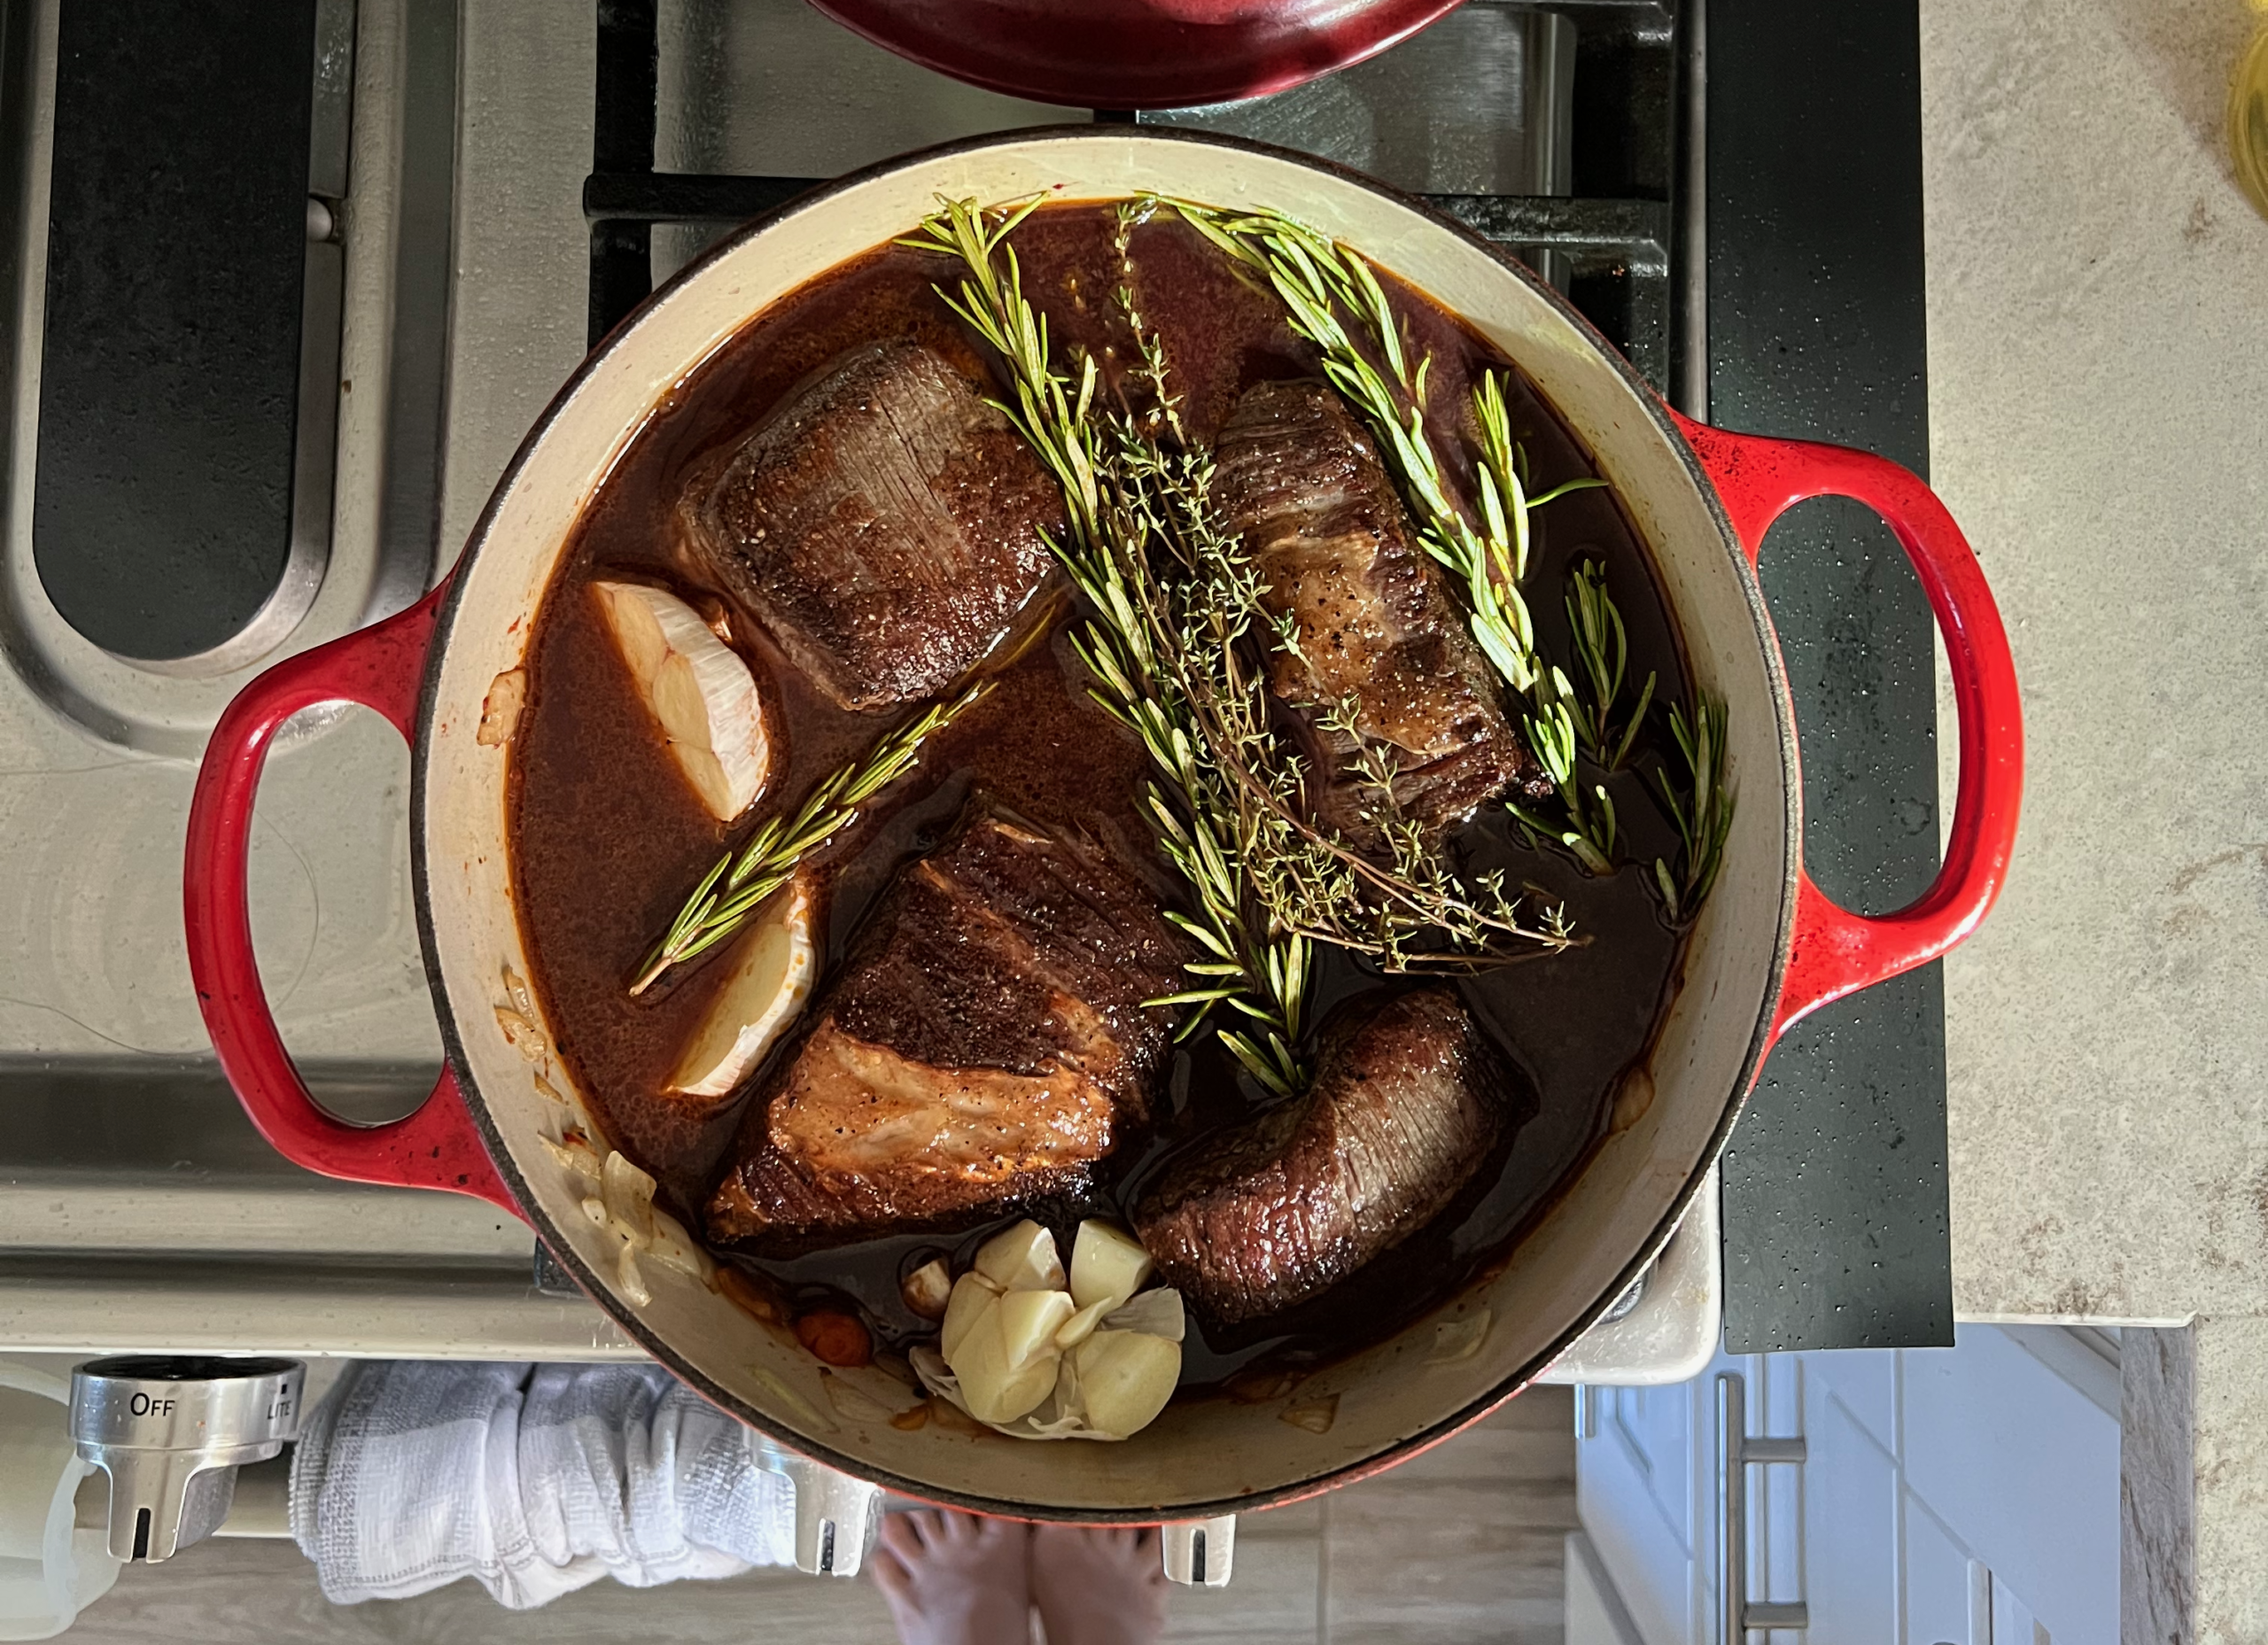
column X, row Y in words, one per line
column 834, row 1339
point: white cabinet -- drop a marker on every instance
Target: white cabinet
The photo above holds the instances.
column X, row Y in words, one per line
column 1641, row 1495
column 1961, row 1496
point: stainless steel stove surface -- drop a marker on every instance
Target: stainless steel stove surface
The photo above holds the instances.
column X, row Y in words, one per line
column 480, row 214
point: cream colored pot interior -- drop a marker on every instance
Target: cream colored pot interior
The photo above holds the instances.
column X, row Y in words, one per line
column 1199, row 1454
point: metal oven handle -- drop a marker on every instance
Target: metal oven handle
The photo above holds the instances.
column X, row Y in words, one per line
column 1200, row 1552
column 1736, row 1454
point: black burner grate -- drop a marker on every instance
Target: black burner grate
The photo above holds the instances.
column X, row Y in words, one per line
column 1612, row 242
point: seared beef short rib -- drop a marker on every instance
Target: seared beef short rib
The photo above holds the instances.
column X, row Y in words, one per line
column 883, row 525
column 986, row 1044
column 1406, row 1104
column 1302, row 483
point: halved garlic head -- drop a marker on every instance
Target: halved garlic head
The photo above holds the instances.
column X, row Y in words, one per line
column 1107, row 1264
column 1024, row 1257
column 773, row 968
column 1125, row 1378
column 1025, row 1363
column 697, row 688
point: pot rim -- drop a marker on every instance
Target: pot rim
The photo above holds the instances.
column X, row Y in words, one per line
column 624, row 337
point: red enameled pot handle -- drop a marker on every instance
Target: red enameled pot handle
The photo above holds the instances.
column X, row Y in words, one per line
column 1836, row 951
column 381, row 667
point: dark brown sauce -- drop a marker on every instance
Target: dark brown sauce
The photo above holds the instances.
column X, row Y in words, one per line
column 607, row 837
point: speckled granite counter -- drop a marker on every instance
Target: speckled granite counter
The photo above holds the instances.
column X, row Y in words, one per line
column 2098, row 312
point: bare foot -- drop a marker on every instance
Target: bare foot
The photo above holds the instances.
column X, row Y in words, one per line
column 1095, row 1587
column 955, row 1578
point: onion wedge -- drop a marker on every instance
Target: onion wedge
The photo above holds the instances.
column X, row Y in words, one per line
column 698, row 690
column 772, row 969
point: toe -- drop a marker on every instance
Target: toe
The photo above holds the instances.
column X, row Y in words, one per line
column 997, row 1532
column 891, row 1575
column 955, row 1527
column 902, row 1534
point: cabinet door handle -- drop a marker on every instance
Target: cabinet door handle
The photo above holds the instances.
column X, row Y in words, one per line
column 1736, row 1454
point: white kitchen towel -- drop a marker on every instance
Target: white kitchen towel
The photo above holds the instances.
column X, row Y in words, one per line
column 532, row 1481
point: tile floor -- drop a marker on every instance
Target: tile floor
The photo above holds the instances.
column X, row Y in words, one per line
column 1460, row 1546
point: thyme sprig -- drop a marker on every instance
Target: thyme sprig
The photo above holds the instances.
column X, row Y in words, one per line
column 1703, row 813
column 1170, row 648
column 1264, row 976
column 1412, row 915
column 743, row 880
column 1163, row 415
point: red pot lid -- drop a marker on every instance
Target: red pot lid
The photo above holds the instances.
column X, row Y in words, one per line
column 1135, row 54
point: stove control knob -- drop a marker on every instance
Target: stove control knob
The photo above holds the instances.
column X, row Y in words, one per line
column 171, row 1431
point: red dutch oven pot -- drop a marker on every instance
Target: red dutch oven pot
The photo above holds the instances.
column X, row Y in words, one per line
column 1768, row 948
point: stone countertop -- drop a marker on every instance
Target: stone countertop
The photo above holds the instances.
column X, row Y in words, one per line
column 2098, row 312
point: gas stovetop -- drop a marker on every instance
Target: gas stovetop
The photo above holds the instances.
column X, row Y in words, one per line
column 257, row 404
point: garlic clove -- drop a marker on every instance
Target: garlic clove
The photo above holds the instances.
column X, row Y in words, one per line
column 773, row 969
column 993, row 1386
column 972, row 1296
column 1022, row 1394
column 1106, row 1262
column 1125, row 1378
column 575, row 1154
column 1029, row 1322
column 1023, row 1258
column 698, row 689
column 928, row 1289
column 1080, row 1325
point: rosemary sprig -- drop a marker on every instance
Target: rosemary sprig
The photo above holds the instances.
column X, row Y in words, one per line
column 1585, row 825
column 1586, row 828
column 742, row 879
column 1264, row 976
column 1049, row 410
column 1602, row 652
column 1703, row 813
column 1321, row 283
column 1502, row 471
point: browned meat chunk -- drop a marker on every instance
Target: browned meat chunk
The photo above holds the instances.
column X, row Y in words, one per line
column 1298, row 478
column 987, row 1044
column 1406, row 1104
column 884, row 525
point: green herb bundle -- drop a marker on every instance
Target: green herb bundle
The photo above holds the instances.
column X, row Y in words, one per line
column 1333, row 298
